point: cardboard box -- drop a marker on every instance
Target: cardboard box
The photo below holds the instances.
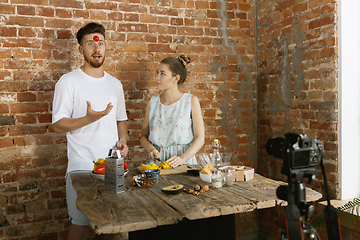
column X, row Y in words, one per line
column 242, row 173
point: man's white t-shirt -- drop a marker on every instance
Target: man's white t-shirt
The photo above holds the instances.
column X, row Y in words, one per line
column 93, row 141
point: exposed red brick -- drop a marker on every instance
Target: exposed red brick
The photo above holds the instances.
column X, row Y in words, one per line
column 26, row 10
column 7, row 9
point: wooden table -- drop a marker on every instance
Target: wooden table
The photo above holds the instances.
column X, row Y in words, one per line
column 144, row 208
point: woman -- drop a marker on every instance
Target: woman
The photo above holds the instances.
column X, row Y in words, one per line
column 173, row 128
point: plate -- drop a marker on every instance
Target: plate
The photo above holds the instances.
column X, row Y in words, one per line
column 102, row 176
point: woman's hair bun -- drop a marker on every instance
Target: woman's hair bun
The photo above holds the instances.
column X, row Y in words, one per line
column 184, row 60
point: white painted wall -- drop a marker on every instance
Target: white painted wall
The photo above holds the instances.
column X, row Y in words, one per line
column 349, row 96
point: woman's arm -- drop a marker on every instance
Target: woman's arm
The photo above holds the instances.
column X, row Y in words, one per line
column 71, row 124
column 144, row 139
column 199, row 134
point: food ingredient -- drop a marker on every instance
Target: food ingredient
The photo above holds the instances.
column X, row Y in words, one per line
column 162, row 165
column 207, row 169
column 143, row 181
column 197, row 189
column 99, row 166
column 173, row 189
column 149, row 167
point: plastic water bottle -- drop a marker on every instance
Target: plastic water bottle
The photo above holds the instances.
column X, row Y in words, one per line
column 216, row 157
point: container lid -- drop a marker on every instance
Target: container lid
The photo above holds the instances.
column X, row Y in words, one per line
column 216, row 172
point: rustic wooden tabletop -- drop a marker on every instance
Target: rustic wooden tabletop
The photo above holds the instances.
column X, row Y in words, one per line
column 144, row 208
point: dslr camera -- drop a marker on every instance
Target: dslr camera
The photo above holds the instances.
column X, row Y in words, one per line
column 299, row 153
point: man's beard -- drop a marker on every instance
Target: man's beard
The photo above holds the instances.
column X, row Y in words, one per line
column 93, row 63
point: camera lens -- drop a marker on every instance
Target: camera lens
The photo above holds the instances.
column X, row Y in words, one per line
column 275, row 147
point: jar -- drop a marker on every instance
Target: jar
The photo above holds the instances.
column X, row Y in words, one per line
column 217, row 179
column 229, row 177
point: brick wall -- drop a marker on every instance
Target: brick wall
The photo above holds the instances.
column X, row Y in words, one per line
column 298, row 79
column 297, row 82
column 37, row 46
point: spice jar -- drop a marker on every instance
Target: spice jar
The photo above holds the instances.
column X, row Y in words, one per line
column 217, row 179
column 229, row 177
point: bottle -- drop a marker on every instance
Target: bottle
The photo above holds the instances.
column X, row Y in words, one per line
column 216, row 157
column 229, row 177
column 217, row 179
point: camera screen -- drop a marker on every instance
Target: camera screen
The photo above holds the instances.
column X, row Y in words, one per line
column 301, row 159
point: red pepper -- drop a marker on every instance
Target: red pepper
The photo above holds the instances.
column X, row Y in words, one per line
column 125, row 166
column 100, row 169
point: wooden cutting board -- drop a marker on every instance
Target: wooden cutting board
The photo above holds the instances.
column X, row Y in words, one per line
column 181, row 169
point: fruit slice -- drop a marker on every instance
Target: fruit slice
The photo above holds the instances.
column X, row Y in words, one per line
column 164, row 165
column 208, row 169
column 148, row 167
column 173, row 189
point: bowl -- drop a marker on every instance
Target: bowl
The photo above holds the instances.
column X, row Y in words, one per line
column 152, row 173
column 205, row 158
column 144, row 182
column 205, row 177
column 102, row 176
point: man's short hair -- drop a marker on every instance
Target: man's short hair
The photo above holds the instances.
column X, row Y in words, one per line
column 89, row 29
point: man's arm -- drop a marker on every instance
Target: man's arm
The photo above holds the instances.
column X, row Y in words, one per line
column 70, row 124
column 122, row 132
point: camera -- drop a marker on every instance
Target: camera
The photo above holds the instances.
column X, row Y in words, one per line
column 298, row 151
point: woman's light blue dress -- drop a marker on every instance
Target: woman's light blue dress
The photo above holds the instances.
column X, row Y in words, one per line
column 170, row 126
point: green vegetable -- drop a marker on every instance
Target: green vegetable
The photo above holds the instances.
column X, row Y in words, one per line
column 173, row 189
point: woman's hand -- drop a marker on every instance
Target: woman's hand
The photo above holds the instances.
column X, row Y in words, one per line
column 175, row 161
column 154, row 155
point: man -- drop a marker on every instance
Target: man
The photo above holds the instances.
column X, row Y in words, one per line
column 89, row 106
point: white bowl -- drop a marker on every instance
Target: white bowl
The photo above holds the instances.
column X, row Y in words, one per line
column 205, row 177
column 102, row 176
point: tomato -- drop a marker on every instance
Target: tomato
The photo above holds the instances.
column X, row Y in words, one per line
column 100, row 169
column 125, row 166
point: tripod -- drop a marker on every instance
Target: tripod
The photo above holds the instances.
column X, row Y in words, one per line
column 296, row 212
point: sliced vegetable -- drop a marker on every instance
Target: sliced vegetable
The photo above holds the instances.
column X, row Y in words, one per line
column 149, row 167
column 173, row 189
column 164, row 165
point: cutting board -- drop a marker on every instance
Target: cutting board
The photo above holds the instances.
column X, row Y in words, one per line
column 180, row 169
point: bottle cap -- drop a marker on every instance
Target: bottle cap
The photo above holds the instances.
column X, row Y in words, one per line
column 216, row 171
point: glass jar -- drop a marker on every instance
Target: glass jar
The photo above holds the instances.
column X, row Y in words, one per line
column 217, row 179
column 229, row 177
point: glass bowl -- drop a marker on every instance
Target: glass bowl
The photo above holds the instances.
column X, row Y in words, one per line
column 205, row 158
column 143, row 181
